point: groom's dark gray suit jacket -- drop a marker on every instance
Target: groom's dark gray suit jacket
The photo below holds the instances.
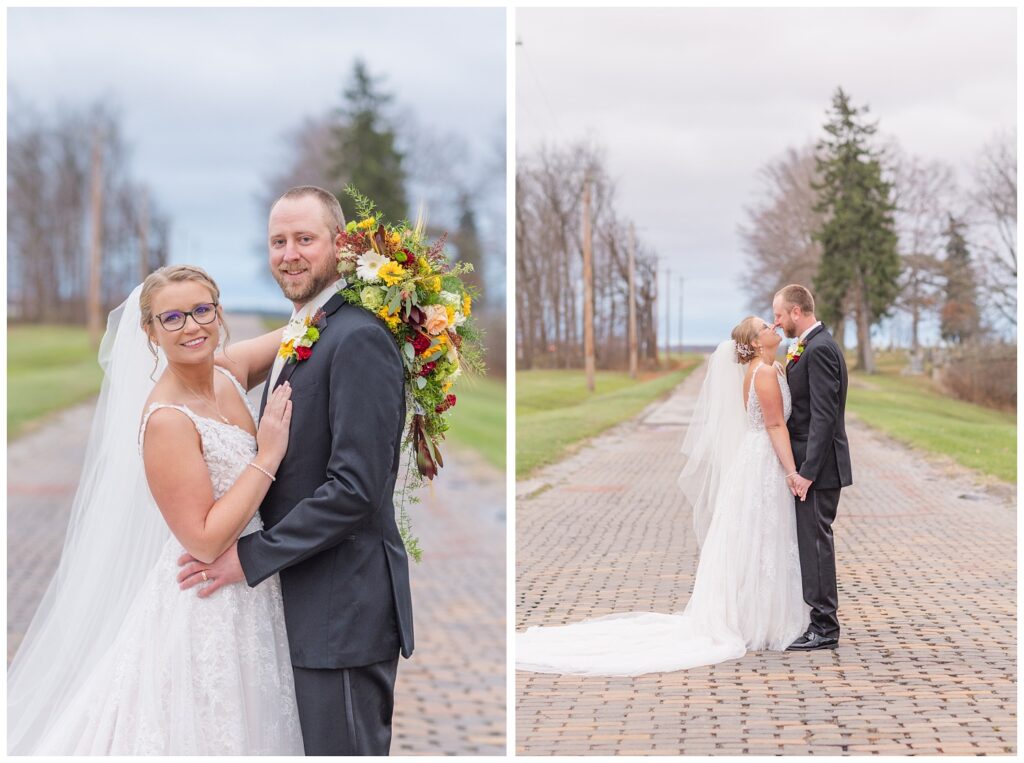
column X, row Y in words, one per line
column 329, row 519
column 817, row 425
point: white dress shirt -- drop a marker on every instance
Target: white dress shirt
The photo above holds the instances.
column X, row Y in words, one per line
column 803, row 336
column 300, row 315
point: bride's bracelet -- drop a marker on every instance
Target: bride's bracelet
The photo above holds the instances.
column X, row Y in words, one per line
column 254, row 465
column 787, row 476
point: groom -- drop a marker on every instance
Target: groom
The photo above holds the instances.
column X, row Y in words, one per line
column 817, row 380
column 329, row 518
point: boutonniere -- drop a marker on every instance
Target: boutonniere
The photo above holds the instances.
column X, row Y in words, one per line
column 299, row 337
column 794, row 353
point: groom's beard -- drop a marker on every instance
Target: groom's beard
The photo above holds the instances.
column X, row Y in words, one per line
column 319, row 280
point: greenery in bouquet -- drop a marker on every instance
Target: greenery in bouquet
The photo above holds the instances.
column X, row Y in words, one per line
column 393, row 271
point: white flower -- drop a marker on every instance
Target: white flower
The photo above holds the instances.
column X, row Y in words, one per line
column 368, row 264
column 459, row 319
column 295, row 330
column 449, row 298
column 452, row 356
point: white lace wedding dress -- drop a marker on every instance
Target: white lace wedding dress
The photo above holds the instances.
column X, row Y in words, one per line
column 746, row 594
column 191, row 676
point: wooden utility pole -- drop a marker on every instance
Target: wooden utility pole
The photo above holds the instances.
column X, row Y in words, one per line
column 668, row 315
column 94, row 308
column 654, row 313
column 633, row 348
column 143, row 235
column 682, row 283
column 588, row 289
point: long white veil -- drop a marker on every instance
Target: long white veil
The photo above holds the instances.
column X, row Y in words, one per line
column 114, row 537
column 714, row 435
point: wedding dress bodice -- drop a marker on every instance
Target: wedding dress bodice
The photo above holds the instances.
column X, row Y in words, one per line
column 755, row 416
column 227, row 448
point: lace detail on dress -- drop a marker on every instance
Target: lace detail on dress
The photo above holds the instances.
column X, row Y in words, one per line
column 771, row 469
column 227, row 448
column 191, row 676
column 755, row 416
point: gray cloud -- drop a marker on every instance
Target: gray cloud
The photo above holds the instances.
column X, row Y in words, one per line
column 691, row 102
column 207, row 94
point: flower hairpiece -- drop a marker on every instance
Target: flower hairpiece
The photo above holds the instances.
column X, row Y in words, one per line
column 744, row 352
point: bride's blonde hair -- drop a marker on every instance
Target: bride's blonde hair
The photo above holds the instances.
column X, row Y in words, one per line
column 744, row 335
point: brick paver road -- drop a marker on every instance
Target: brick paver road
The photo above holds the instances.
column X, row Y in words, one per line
column 927, row 600
column 450, row 697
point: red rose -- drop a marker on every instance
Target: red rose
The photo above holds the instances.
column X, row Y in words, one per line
column 445, row 404
column 303, row 353
column 420, row 343
column 428, row 368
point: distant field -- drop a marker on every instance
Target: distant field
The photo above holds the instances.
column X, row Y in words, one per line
column 910, row 409
column 554, row 411
column 48, row 369
column 478, row 418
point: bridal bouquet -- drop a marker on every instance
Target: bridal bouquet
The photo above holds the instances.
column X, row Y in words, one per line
column 393, row 271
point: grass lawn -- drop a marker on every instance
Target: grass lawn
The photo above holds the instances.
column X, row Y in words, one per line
column 554, row 411
column 910, row 409
column 48, row 369
column 478, row 418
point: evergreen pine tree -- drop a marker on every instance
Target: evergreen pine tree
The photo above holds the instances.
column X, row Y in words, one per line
column 467, row 241
column 860, row 264
column 364, row 152
column 960, row 320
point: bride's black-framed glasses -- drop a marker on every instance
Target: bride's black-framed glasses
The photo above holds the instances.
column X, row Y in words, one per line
column 174, row 320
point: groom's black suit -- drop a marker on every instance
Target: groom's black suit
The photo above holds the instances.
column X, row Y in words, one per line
column 330, row 531
column 817, row 430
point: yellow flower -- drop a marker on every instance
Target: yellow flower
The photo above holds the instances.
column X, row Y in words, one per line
column 424, row 266
column 451, row 314
column 391, row 320
column 368, row 223
column 432, row 284
column 287, row 349
column 442, row 338
column 391, row 272
column 466, row 304
column 446, row 386
column 394, row 241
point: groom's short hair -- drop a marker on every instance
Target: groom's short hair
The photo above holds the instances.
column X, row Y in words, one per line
column 333, row 215
column 798, row 296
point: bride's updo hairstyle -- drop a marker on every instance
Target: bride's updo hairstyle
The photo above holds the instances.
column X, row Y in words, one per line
column 175, row 274
column 744, row 335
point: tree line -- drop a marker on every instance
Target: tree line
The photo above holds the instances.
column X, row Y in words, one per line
column 876, row 232
column 81, row 230
column 549, row 238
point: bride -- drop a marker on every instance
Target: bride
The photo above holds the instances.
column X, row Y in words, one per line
column 747, row 592
column 119, row 660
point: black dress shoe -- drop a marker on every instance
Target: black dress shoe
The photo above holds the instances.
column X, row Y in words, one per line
column 810, row 641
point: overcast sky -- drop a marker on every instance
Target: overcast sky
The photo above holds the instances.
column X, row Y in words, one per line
column 689, row 103
column 206, row 96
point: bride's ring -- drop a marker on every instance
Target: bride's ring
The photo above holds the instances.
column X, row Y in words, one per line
column 205, row 579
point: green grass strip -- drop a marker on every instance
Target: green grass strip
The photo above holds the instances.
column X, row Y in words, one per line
column 49, row 368
column 910, row 410
column 554, row 411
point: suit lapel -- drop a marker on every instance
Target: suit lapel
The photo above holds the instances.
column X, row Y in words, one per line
column 814, row 332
